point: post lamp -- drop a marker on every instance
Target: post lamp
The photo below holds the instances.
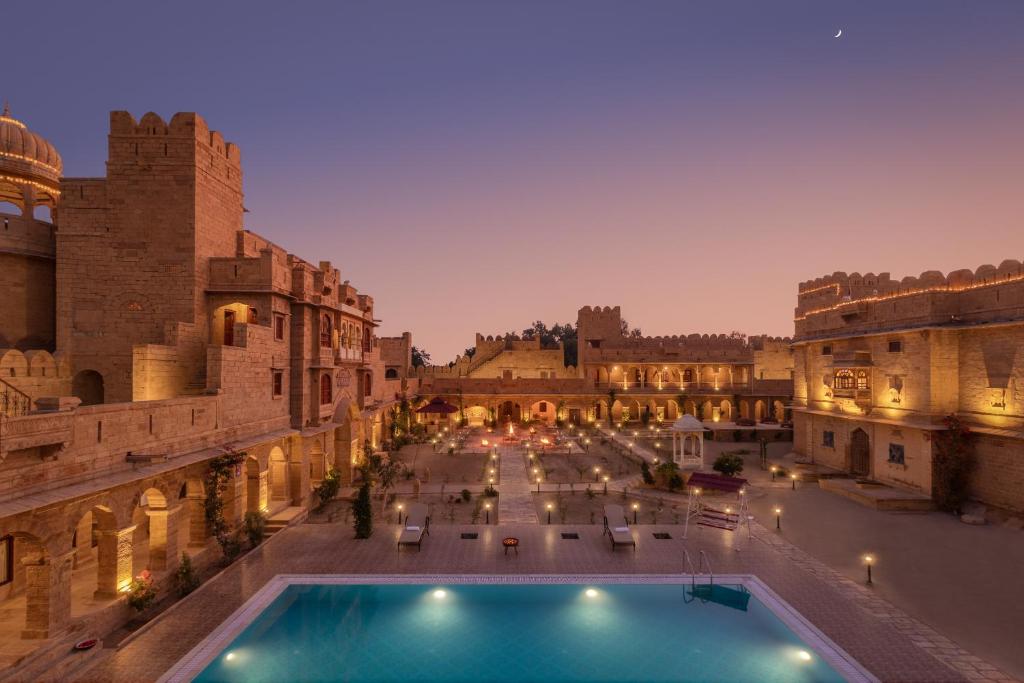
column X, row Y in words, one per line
column 868, row 561
column 586, row 445
column 636, row 507
column 773, row 469
column 399, row 508
column 792, row 478
column 487, row 512
column 597, row 473
column 778, row 519
column 538, row 484
column 606, row 484
column 549, row 506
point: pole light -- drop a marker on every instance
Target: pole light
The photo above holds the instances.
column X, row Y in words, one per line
column 487, row 511
column 399, row 507
column 636, row 506
column 549, row 506
column 774, row 469
column 868, row 561
column 792, row 478
column 778, row 519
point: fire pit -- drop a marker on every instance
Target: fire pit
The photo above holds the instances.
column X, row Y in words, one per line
column 511, row 543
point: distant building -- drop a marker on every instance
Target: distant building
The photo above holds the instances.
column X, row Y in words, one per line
column 880, row 362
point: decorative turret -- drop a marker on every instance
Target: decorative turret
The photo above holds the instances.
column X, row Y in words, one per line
column 30, row 168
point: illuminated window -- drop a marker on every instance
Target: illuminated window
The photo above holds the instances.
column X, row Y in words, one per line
column 844, row 379
column 325, row 330
column 688, row 375
column 325, row 389
column 862, row 379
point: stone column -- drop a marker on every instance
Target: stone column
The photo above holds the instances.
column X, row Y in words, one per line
column 47, row 594
column 163, row 538
column 114, row 572
column 196, row 520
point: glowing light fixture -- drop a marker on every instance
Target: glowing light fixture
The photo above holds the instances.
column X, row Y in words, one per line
column 440, row 594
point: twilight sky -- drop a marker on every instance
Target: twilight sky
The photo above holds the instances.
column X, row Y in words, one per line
column 479, row 165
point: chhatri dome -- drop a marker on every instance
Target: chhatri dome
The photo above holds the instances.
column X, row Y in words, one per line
column 30, row 168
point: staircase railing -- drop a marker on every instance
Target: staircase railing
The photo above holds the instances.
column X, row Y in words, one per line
column 702, row 562
column 13, row 401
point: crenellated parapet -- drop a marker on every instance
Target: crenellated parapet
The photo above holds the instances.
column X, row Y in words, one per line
column 858, row 302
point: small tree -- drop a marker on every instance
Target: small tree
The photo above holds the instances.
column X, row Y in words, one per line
column 362, row 511
column 729, row 464
column 328, row 488
column 185, row 578
column 142, row 592
column 645, row 472
column 255, row 525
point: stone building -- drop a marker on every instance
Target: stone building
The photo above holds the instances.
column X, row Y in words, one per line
column 880, row 362
column 144, row 332
column 717, row 378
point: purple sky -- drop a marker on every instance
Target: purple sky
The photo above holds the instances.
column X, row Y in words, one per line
column 476, row 166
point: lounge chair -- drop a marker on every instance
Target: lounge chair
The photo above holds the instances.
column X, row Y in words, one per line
column 417, row 523
column 617, row 526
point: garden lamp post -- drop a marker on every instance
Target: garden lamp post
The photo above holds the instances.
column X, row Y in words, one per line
column 399, row 508
column 606, row 484
column 774, row 469
column 792, row 478
column 549, row 506
column 597, row 474
column 487, row 512
column 778, row 519
column 868, row 561
column 538, row 484
column 636, row 507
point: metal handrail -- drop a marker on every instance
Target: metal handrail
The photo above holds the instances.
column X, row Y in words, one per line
column 702, row 561
column 13, row 401
column 688, row 562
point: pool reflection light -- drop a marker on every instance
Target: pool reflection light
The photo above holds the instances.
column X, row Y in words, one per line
column 804, row 655
column 590, row 593
column 440, row 594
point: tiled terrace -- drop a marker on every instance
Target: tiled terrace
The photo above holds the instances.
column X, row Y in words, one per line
column 891, row 645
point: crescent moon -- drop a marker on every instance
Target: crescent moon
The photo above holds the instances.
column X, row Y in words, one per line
column 838, row 34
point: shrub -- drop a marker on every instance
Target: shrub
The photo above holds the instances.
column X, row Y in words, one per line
column 142, row 593
column 255, row 524
column 490, row 491
column 729, row 464
column 952, row 465
column 668, row 472
column 185, row 578
column 645, row 472
column 466, row 495
column 328, row 487
column 362, row 511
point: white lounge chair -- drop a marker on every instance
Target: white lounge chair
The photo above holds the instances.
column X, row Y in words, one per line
column 417, row 523
column 617, row 526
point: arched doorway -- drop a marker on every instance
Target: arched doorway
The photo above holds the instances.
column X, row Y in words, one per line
column 509, row 412
column 278, row 475
column 88, row 386
column 255, row 486
column 860, row 453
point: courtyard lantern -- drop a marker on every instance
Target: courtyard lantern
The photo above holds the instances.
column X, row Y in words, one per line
column 549, row 506
column 773, row 470
column 399, row 507
column 597, row 473
column 868, row 561
column 778, row 518
column 792, row 478
column 636, row 508
column 538, row 484
column 487, row 512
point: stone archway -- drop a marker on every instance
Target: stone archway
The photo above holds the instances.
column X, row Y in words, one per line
column 278, row 475
column 87, row 385
column 40, row 586
column 255, row 486
column 860, row 453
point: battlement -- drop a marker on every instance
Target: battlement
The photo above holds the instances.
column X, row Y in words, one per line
column 859, row 302
column 182, row 125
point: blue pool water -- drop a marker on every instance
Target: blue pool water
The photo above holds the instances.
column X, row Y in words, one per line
column 550, row 633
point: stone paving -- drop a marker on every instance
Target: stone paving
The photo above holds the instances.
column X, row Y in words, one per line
column 887, row 642
column 515, row 502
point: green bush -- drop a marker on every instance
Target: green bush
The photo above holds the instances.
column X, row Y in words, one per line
column 729, row 464
column 362, row 512
column 466, row 495
column 185, row 578
column 142, row 593
column 255, row 524
column 328, row 488
column 490, row 491
column 645, row 472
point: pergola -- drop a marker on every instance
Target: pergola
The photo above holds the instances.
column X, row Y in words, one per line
column 688, row 434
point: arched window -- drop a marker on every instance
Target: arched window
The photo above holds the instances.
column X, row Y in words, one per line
column 368, row 385
column 862, row 379
column 391, row 373
column 254, row 315
column 366, row 339
column 325, row 330
column 325, row 389
column 844, row 379
column 688, row 375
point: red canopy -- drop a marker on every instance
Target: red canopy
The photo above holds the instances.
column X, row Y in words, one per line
column 438, row 405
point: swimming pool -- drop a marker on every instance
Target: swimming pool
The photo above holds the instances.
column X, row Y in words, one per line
column 515, row 628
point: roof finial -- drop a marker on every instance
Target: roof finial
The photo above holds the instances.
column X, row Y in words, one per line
column 7, row 109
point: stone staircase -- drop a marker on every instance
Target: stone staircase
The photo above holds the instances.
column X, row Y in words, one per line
column 515, row 499
column 283, row 519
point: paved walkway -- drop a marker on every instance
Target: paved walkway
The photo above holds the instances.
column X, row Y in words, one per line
column 886, row 641
column 515, row 500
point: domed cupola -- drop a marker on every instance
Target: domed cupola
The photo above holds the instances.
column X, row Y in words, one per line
column 30, row 168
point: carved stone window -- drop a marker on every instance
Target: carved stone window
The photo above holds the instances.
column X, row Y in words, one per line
column 844, row 379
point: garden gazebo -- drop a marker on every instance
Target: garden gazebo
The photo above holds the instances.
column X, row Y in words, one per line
column 688, row 442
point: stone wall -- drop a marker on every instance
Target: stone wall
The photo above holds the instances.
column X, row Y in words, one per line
column 36, row 373
column 27, row 276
